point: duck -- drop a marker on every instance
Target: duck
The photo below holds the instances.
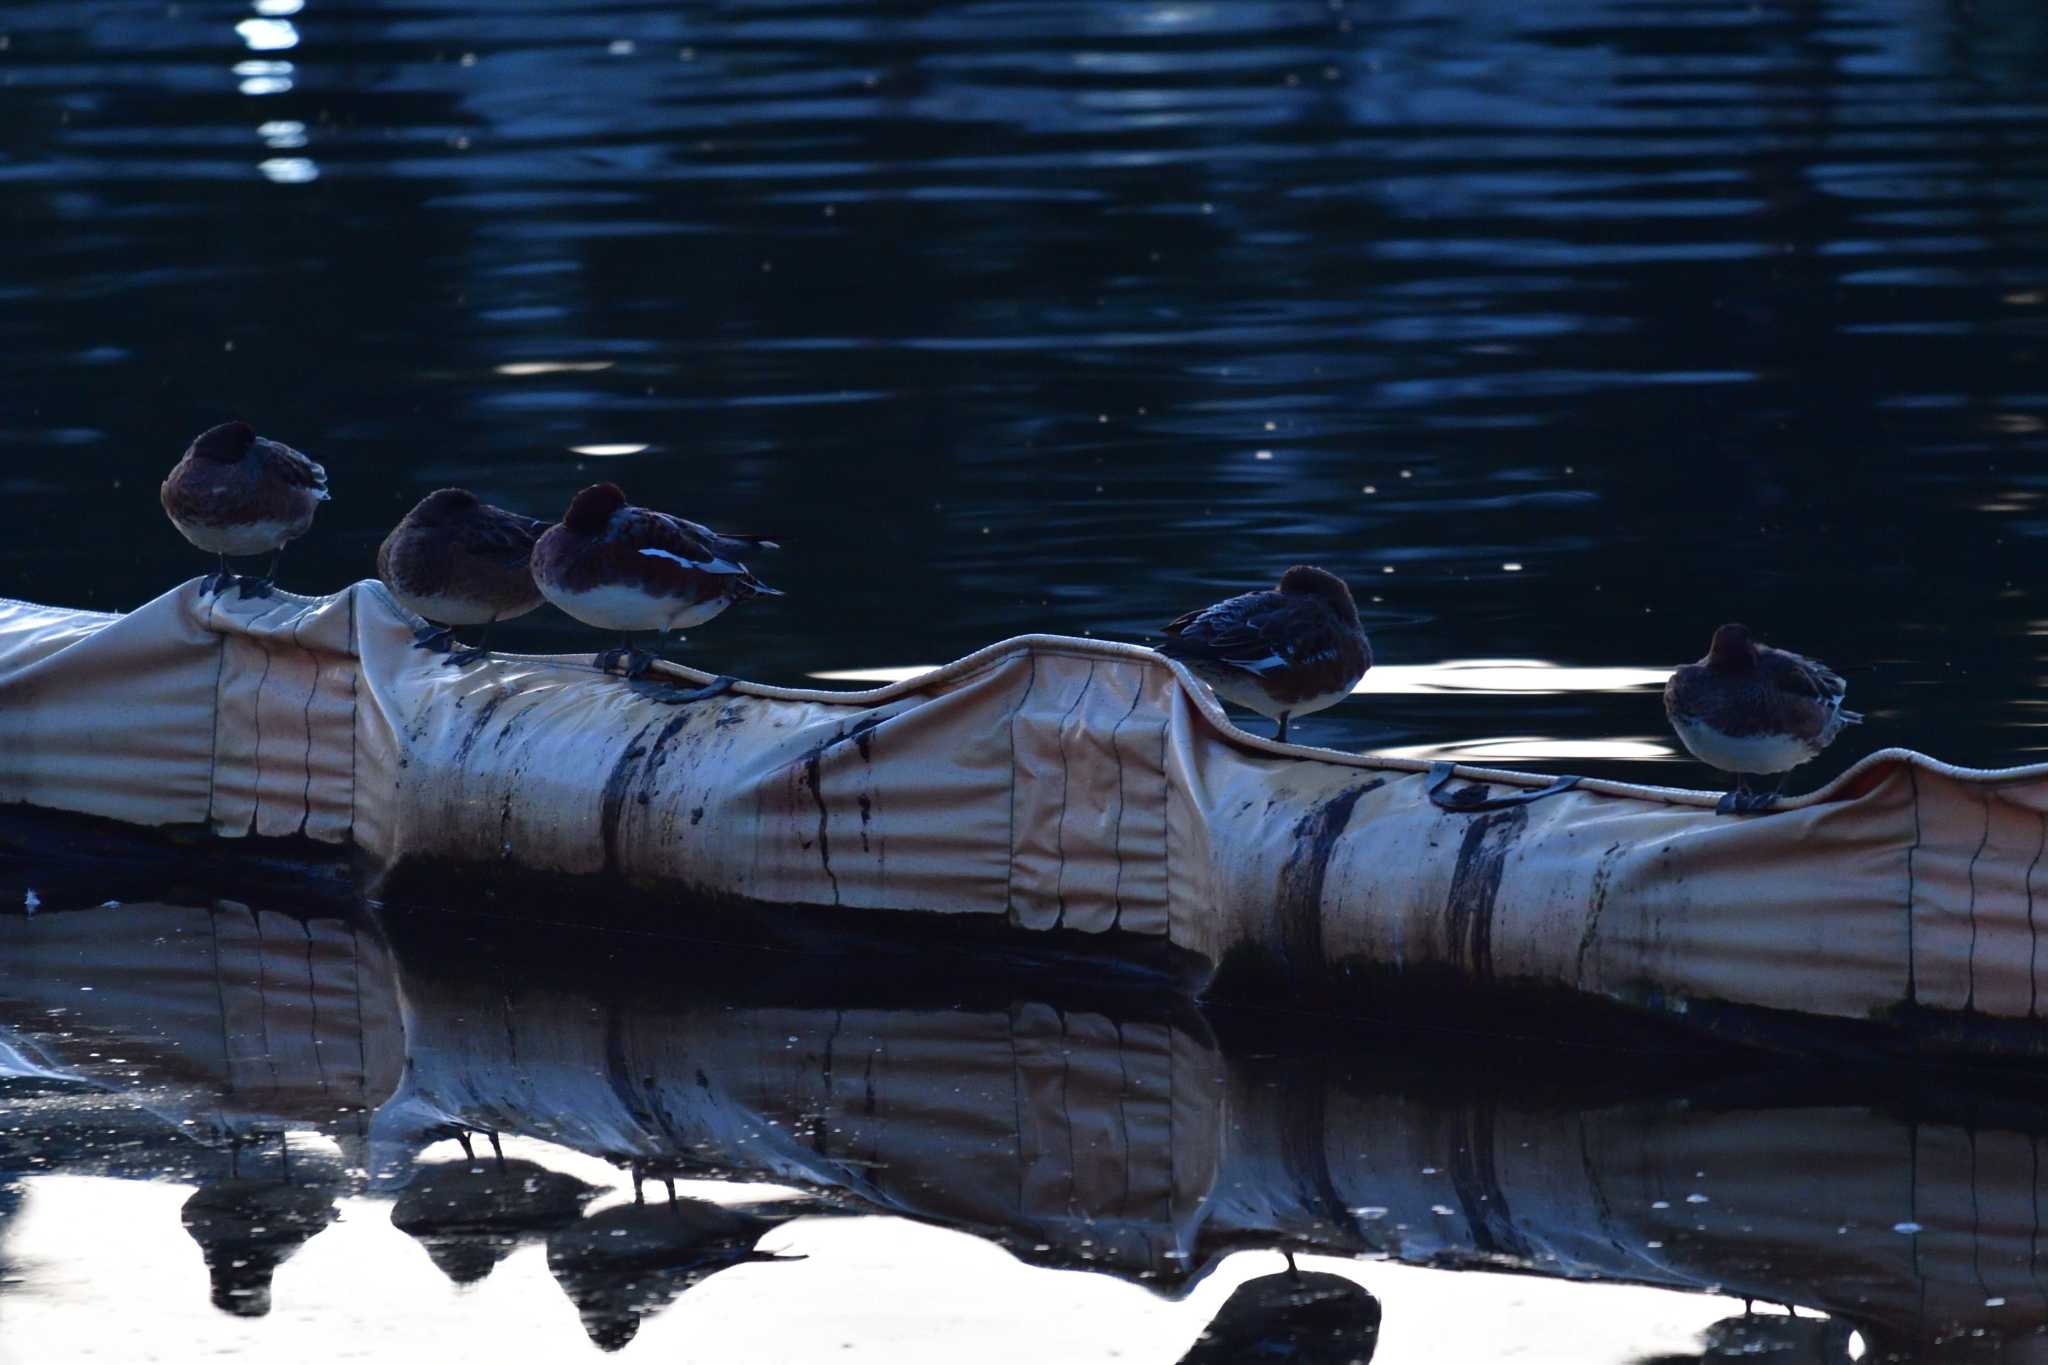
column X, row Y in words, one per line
column 1748, row 709
column 457, row 561
column 237, row 493
column 1284, row 652
column 634, row 570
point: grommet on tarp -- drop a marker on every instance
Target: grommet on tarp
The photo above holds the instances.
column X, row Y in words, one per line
column 1474, row 798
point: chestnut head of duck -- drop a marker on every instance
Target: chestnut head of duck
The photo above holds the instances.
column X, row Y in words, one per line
column 224, row 444
column 1733, row 648
column 593, row 509
column 1321, row 584
column 444, row 507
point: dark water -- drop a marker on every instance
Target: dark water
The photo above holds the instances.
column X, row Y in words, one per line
column 1069, row 316
column 237, row 1129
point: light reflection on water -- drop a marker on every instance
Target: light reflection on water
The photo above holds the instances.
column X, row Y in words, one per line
column 1471, row 677
column 1504, row 677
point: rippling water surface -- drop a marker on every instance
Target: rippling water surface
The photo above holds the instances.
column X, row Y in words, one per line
column 1565, row 330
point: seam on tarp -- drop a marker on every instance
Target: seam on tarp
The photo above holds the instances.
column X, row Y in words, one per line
column 1116, row 838
column 1970, row 873
column 213, row 744
column 1010, row 876
column 256, row 793
column 1059, row 829
column 2033, row 935
column 1166, row 822
column 1912, row 956
column 355, row 715
column 306, row 814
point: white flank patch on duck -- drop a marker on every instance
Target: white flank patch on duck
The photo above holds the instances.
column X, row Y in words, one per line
column 620, row 608
column 1245, row 692
column 1742, row 754
column 702, row 566
column 244, row 538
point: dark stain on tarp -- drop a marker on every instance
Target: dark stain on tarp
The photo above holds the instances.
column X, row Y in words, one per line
column 863, row 735
column 615, row 789
column 658, row 754
column 1475, row 886
column 1300, row 900
column 479, row 724
column 811, row 764
column 1603, row 878
column 867, row 813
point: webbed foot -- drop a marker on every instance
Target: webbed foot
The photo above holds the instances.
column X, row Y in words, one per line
column 255, row 587
column 677, row 696
column 217, row 582
column 463, row 658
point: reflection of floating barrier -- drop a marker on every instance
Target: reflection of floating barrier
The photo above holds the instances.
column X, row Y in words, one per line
column 1111, row 1131
column 1044, row 792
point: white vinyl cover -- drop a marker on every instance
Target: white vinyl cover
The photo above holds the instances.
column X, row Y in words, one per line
column 1054, row 782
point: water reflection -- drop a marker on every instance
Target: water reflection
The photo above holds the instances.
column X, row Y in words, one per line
column 286, row 1064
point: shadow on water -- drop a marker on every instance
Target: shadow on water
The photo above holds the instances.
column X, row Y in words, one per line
column 281, row 1060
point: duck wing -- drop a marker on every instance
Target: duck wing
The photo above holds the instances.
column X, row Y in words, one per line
column 730, row 546
column 280, row 461
column 1798, row 676
column 503, row 537
column 684, row 559
column 1256, row 632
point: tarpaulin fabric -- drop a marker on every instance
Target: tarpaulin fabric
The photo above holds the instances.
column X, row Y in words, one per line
column 1041, row 783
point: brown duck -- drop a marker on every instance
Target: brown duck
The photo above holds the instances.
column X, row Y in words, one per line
column 1750, row 709
column 1285, row 652
column 237, row 493
column 631, row 569
column 458, row 561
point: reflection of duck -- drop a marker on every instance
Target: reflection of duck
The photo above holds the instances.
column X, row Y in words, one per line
column 1292, row 1316
column 1784, row 1339
column 246, row 1229
column 624, row 1264
column 471, row 1217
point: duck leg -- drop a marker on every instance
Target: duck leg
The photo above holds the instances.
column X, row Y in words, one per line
column 217, row 582
column 717, row 687
column 264, row 586
column 430, row 636
column 1281, row 737
column 462, row 658
column 1737, row 799
column 1764, row 800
